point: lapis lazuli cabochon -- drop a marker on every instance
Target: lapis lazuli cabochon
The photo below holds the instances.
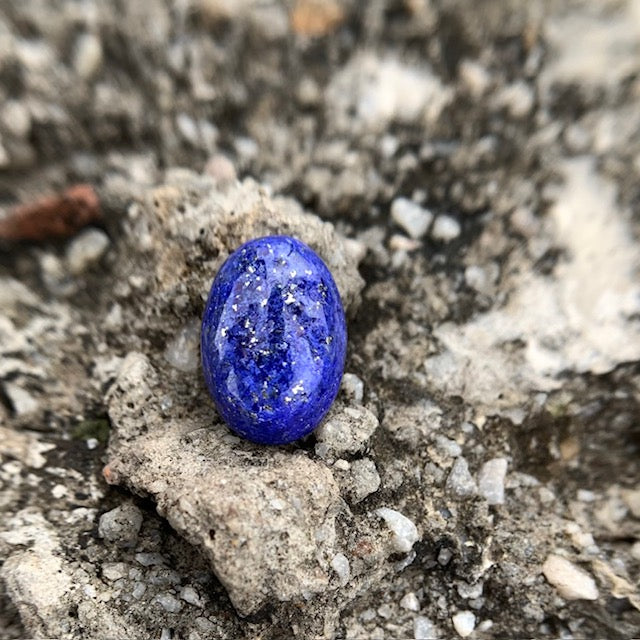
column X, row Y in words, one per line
column 273, row 340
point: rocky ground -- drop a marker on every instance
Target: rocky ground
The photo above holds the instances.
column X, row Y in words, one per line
column 470, row 173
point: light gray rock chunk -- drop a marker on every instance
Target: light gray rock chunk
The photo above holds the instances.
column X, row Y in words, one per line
column 346, row 429
column 121, row 525
column 460, row 482
column 571, row 582
column 491, row 480
column 405, row 533
column 255, row 512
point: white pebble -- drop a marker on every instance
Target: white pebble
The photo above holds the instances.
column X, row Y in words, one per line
column 16, row 118
column 445, row 228
column 571, row 582
column 190, row 595
column 87, row 56
column 183, row 351
column 464, row 622
column 168, row 602
column 59, row 491
column 340, row 564
column 460, row 482
column 423, row 628
column 474, row 76
column 491, row 480
column 353, row 387
column 405, row 533
column 86, row 249
column 413, row 218
column 410, row 602
column 138, row 590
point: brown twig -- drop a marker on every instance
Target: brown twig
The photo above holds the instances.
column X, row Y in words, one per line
column 57, row 216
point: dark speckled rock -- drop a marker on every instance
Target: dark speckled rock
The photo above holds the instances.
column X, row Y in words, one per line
column 273, row 340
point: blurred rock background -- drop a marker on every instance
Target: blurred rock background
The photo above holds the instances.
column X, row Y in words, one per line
column 470, row 173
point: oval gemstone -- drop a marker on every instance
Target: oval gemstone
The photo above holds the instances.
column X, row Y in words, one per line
column 273, row 340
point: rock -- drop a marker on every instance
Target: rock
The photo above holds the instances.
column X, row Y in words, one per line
column 168, row 602
column 364, row 479
column 459, row 481
column 346, row 429
column 371, row 92
column 571, row 582
column 491, row 480
column 423, row 628
column 445, row 229
column 405, row 533
column 22, row 401
column 121, row 525
column 165, row 454
column 353, row 387
column 86, row 249
column 409, row 215
column 24, row 447
column 340, row 564
column 87, row 56
column 183, row 351
column 410, row 602
column 464, row 622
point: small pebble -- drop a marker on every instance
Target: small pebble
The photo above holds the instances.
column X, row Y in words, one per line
column 353, row 387
column 88, row 55
column 410, row 602
column 460, row 482
column 183, row 351
column 121, row 525
column 445, row 229
column 444, row 557
column 364, row 478
column 491, row 480
column 413, row 218
column 168, row 602
column 423, row 628
column 86, row 249
column 464, row 622
column 147, row 559
column 405, row 533
column 571, row 582
column 340, row 564
column 138, row 590
column 190, row 595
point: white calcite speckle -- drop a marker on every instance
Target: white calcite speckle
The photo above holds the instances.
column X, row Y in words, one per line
column 571, row 582
column 405, row 533
column 413, row 218
column 464, row 622
column 491, row 480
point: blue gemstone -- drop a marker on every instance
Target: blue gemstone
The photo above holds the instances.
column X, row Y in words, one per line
column 273, row 340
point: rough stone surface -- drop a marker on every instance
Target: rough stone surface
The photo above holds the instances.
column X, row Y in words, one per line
column 507, row 331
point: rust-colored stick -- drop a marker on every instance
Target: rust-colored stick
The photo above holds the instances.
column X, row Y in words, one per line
column 56, row 216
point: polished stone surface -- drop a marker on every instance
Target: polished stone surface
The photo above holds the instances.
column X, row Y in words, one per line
column 273, row 340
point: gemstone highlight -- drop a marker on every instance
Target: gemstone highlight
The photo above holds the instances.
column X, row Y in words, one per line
column 273, row 340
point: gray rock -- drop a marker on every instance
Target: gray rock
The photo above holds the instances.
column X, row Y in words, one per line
column 281, row 555
column 346, row 429
column 459, row 481
column 121, row 525
column 87, row 249
column 491, row 480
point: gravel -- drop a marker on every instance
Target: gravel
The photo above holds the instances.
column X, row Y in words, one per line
column 121, row 525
